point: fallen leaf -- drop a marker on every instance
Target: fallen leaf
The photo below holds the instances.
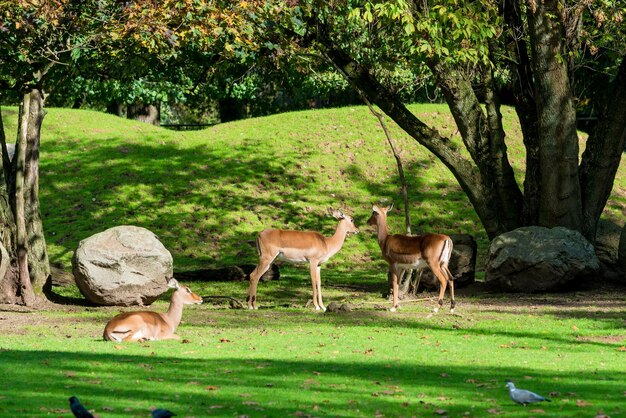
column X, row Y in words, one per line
column 494, row 411
column 224, row 340
column 440, row 411
column 444, row 375
column 216, row 406
column 185, row 341
column 622, row 348
column 582, row 403
column 211, row 387
column 250, row 403
column 538, row 411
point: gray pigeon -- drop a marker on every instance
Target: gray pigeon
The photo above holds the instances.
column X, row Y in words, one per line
column 522, row 396
column 162, row 413
column 78, row 409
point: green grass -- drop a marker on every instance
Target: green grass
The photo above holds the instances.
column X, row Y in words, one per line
column 206, row 194
column 296, row 362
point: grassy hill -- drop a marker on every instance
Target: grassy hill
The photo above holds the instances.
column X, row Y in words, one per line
column 207, row 193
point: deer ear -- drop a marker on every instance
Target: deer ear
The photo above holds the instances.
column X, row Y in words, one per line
column 172, row 283
column 376, row 209
column 337, row 214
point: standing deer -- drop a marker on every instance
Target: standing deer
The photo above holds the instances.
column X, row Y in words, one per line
column 414, row 252
column 147, row 325
column 299, row 247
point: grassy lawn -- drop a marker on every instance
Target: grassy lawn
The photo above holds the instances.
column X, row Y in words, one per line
column 293, row 361
column 206, row 194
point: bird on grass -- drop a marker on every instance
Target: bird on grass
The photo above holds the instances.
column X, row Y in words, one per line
column 78, row 409
column 162, row 413
column 523, row 397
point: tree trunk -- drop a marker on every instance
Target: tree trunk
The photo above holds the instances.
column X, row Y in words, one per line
column 231, row 109
column 147, row 113
column 603, row 153
column 523, row 88
column 559, row 196
column 479, row 188
column 116, row 108
column 9, row 280
column 25, row 289
column 483, row 136
column 37, row 253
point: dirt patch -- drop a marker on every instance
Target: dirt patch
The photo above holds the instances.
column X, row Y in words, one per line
column 607, row 339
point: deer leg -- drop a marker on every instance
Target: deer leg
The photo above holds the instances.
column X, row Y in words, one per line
column 394, row 286
column 443, row 282
column 451, row 282
column 261, row 268
column 318, row 278
column 314, row 269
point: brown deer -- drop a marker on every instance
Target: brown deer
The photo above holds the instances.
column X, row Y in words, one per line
column 299, row 247
column 414, row 252
column 147, row 325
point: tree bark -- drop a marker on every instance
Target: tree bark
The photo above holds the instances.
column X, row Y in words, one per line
column 38, row 263
column 116, row 108
column 483, row 136
column 25, row 287
column 523, row 87
column 9, row 281
column 147, row 113
column 559, row 195
column 603, row 153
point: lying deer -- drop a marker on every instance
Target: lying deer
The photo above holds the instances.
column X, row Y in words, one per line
column 414, row 252
column 147, row 325
column 299, row 247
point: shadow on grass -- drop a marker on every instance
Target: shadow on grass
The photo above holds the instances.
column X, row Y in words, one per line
column 112, row 383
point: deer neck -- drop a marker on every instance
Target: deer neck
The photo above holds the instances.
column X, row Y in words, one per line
column 381, row 230
column 334, row 243
column 175, row 312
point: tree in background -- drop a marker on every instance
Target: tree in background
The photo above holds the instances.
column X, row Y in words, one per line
column 474, row 51
column 44, row 43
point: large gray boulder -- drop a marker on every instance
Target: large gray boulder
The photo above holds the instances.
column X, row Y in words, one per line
column 124, row 265
column 607, row 244
column 535, row 259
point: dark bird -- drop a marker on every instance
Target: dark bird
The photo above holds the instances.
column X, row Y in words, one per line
column 78, row 409
column 523, row 397
column 162, row 413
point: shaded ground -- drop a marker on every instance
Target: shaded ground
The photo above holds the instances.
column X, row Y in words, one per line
column 605, row 302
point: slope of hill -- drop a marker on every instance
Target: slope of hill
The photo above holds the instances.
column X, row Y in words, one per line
column 206, row 193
